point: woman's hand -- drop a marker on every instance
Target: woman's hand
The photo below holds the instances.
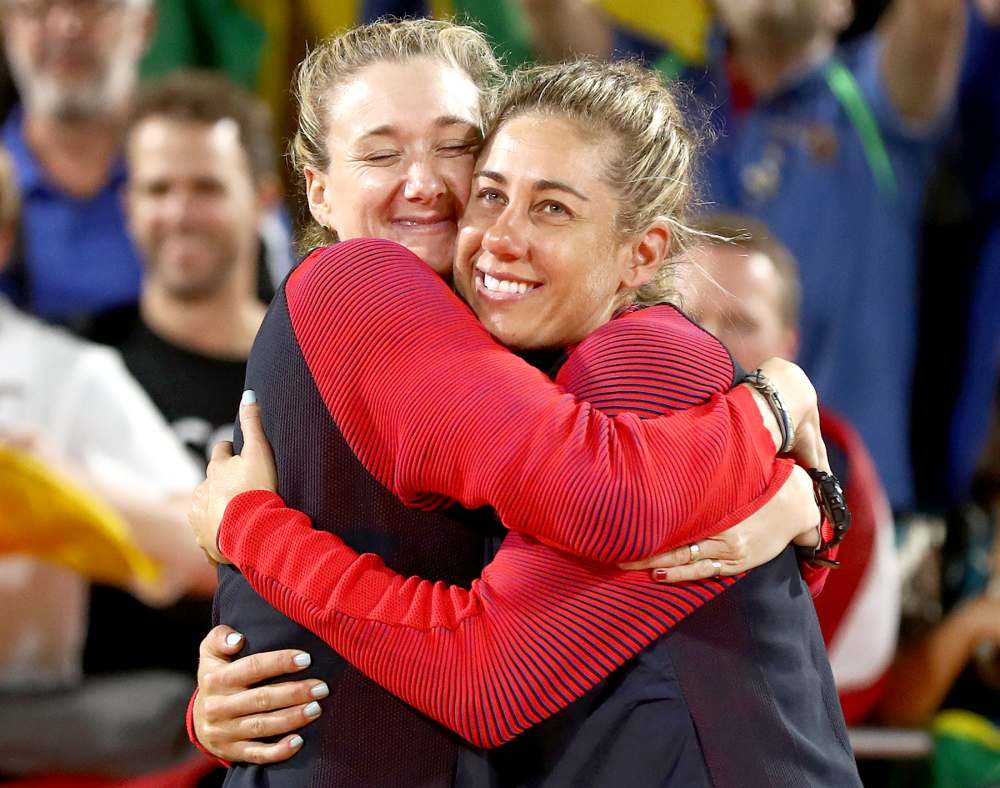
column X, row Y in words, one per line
column 799, row 397
column 231, row 715
column 790, row 516
column 229, row 475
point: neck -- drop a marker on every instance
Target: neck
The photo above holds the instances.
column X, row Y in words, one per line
column 222, row 325
column 76, row 155
column 767, row 67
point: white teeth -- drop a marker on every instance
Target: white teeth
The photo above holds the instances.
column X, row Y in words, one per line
column 494, row 285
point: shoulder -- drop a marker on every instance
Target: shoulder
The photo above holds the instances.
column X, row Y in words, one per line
column 658, row 351
column 353, row 262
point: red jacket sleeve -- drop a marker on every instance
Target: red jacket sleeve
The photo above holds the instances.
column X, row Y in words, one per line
column 435, row 409
column 540, row 627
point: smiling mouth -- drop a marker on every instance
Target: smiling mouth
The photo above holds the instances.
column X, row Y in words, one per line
column 426, row 225
column 497, row 288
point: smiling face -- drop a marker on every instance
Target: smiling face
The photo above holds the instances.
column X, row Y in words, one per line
column 538, row 258
column 192, row 204
column 401, row 142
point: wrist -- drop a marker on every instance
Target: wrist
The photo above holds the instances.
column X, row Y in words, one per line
column 766, row 416
column 763, row 386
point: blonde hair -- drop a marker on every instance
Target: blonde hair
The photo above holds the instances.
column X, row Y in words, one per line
column 337, row 59
column 652, row 164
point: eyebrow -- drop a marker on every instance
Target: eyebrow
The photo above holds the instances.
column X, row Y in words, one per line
column 387, row 129
column 542, row 185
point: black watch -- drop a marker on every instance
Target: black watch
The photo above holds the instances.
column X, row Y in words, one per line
column 836, row 517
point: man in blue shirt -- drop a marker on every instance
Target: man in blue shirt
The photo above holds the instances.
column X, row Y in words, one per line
column 75, row 65
column 832, row 148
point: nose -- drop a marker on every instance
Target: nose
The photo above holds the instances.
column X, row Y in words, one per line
column 506, row 239
column 424, row 183
column 178, row 206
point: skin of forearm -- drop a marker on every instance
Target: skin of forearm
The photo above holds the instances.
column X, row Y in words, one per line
column 922, row 673
column 159, row 527
column 562, row 29
column 922, row 55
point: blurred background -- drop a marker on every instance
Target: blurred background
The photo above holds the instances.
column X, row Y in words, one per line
column 865, row 189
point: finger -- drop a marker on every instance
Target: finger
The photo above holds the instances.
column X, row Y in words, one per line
column 677, row 557
column 699, row 570
column 220, row 643
column 273, row 697
column 248, row 671
column 250, row 424
column 274, row 723
column 222, row 450
column 258, row 752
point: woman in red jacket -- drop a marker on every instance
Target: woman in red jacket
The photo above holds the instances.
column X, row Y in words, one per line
column 351, row 602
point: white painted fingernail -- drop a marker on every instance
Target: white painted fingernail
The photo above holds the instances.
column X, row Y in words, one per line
column 249, row 397
column 320, row 690
column 234, row 639
column 303, row 660
column 295, row 742
column 312, row 710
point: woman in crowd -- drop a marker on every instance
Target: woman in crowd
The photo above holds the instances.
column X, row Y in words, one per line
column 333, row 319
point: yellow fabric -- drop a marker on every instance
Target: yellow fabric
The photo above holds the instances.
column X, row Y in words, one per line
column 967, row 725
column 681, row 25
column 47, row 517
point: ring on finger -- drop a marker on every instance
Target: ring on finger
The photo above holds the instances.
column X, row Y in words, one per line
column 695, row 550
column 717, row 566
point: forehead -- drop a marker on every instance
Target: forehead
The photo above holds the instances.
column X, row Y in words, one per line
column 185, row 145
column 407, row 97
column 543, row 147
column 746, row 273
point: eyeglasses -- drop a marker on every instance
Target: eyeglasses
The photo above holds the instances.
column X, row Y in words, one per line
column 39, row 9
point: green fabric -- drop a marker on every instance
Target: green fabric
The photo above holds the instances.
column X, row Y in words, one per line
column 216, row 34
column 503, row 24
column 966, row 751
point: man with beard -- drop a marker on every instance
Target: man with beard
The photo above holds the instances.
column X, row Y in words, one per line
column 200, row 171
column 75, row 66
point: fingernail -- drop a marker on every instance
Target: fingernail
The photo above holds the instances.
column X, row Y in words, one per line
column 295, row 742
column 660, row 574
column 312, row 710
column 249, row 397
column 234, row 639
column 320, row 690
column 303, row 660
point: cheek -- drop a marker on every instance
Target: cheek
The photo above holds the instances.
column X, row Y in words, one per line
column 457, row 173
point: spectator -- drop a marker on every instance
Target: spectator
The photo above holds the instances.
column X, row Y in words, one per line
column 832, row 148
column 199, row 156
column 75, row 66
column 746, row 292
column 74, row 405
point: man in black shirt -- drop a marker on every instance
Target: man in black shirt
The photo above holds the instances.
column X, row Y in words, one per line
column 201, row 173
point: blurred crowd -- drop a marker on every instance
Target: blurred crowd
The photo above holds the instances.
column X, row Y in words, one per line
column 851, row 222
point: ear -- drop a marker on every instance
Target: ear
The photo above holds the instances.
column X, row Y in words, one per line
column 317, row 186
column 150, row 22
column 790, row 343
column 646, row 254
column 8, row 233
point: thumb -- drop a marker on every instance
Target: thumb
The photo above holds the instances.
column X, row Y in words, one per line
column 250, row 424
column 221, row 643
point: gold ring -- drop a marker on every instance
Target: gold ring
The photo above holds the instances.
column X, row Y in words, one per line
column 695, row 552
column 717, row 566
